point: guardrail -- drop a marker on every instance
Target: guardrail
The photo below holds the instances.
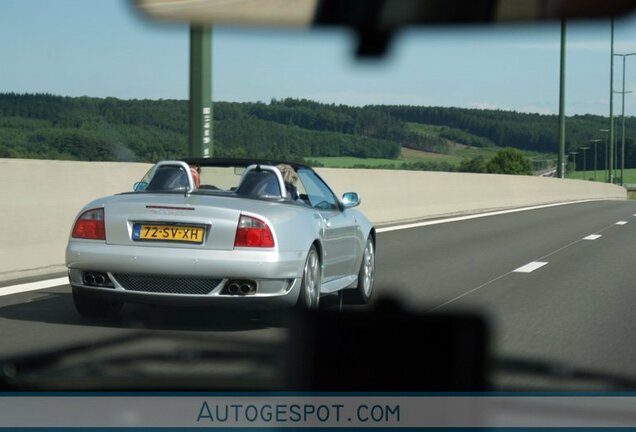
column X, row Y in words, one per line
column 41, row 199
column 547, row 172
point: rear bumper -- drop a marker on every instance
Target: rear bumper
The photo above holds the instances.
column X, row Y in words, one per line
column 277, row 275
column 285, row 299
column 238, row 263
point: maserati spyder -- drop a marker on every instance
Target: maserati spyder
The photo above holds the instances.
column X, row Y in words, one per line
column 242, row 233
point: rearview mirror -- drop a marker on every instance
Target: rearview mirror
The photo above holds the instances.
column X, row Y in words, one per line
column 387, row 15
column 375, row 22
column 350, row 199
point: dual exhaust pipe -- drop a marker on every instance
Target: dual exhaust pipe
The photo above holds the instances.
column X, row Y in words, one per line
column 234, row 287
column 241, row 287
column 98, row 279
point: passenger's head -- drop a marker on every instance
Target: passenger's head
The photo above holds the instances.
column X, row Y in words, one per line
column 288, row 173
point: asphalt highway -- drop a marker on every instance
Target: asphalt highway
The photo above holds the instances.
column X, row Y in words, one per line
column 577, row 308
column 555, row 283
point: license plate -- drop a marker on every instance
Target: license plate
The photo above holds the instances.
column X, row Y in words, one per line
column 174, row 233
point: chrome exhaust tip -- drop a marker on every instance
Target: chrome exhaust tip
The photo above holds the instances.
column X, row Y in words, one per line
column 89, row 279
column 233, row 288
column 96, row 279
column 241, row 287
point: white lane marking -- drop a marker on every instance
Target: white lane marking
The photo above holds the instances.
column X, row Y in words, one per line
column 592, row 237
column 33, row 286
column 621, row 223
column 530, row 267
column 476, row 216
column 454, row 299
column 468, row 292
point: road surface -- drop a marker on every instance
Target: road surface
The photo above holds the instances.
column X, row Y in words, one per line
column 556, row 283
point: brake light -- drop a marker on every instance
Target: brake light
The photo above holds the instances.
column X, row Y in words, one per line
column 252, row 232
column 90, row 225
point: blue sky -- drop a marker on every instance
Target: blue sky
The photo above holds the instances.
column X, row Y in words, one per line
column 103, row 48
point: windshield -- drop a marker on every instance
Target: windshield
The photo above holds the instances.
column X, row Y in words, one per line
column 434, row 181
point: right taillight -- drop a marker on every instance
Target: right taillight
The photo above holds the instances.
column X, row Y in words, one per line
column 90, row 225
column 253, row 232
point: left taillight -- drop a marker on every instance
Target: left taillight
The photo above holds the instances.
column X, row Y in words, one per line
column 253, row 232
column 90, row 225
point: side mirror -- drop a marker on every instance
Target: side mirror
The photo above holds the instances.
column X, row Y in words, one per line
column 350, row 199
column 140, row 186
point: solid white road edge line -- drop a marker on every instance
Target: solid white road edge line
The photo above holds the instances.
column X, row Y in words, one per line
column 33, row 286
column 592, row 237
column 476, row 216
column 530, row 267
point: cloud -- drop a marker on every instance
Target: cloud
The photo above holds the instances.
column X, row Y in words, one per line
column 484, row 106
column 619, row 47
column 529, row 108
column 538, row 109
column 353, row 98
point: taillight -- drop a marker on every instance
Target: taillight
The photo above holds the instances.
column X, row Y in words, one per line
column 90, row 225
column 252, row 232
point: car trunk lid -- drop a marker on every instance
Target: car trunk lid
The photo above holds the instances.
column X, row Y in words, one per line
column 172, row 220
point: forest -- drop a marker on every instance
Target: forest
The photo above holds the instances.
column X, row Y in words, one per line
column 46, row 126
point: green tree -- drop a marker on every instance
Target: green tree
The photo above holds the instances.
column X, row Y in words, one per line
column 474, row 165
column 509, row 161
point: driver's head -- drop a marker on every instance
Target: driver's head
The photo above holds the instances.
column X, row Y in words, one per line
column 195, row 177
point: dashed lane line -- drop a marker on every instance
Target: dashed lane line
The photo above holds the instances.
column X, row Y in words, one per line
column 530, row 267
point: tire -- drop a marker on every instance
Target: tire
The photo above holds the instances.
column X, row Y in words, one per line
column 93, row 306
column 309, row 295
column 362, row 293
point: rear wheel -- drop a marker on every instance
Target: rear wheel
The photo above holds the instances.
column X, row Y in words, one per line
column 361, row 294
column 309, row 296
column 93, row 306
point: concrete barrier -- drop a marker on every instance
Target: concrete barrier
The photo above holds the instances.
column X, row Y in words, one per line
column 41, row 198
column 393, row 196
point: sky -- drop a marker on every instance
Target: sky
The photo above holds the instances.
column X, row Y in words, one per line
column 103, row 48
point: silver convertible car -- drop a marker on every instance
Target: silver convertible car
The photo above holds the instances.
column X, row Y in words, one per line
column 227, row 232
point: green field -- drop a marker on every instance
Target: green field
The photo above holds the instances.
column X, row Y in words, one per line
column 410, row 155
column 407, row 155
column 458, row 152
column 630, row 175
column 350, row 162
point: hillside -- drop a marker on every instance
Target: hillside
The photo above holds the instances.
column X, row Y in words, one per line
column 84, row 128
